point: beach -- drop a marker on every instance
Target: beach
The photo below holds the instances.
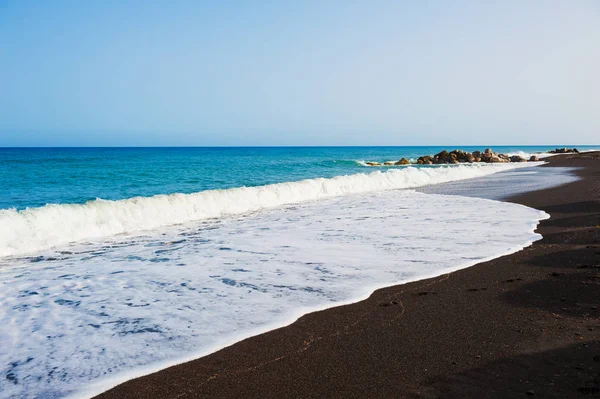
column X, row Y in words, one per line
column 522, row 324
column 172, row 264
column 299, row 200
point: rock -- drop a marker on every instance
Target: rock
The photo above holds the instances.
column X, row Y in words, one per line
column 452, row 157
column 487, row 155
column 372, row 164
column 425, row 160
column 462, row 156
column 441, row 157
column 492, row 157
column 533, row 158
column 389, row 163
column 517, row 158
column 564, row 150
column 403, row 161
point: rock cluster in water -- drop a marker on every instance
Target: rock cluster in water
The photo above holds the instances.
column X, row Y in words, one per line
column 458, row 156
column 403, row 161
column 564, row 151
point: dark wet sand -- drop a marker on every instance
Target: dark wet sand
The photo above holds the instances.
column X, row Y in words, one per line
column 523, row 325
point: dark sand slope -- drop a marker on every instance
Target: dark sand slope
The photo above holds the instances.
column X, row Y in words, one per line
column 524, row 324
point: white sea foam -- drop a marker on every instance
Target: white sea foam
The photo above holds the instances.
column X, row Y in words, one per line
column 41, row 228
column 528, row 155
column 83, row 317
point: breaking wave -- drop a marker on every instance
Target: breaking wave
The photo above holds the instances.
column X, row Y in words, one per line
column 35, row 229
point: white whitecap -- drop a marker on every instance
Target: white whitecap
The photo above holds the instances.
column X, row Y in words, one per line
column 84, row 317
column 36, row 229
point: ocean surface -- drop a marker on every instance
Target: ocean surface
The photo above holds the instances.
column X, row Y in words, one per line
column 33, row 177
column 117, row 262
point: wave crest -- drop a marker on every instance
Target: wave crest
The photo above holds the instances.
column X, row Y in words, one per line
column 35, row 229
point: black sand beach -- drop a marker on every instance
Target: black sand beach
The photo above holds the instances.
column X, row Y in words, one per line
column 526, row 324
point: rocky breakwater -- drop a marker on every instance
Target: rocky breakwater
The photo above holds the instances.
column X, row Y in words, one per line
column 460, row 156
column 457, row 156
column 564, row 151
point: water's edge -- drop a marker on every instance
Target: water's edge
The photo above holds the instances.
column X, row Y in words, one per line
column 483, row 180
column 35, row 229
column 103, row 385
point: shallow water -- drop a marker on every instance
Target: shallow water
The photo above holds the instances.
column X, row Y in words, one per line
column 92, row 293
column 33, row 177
column 503, row 185
column 37, row 229
column 97, row 312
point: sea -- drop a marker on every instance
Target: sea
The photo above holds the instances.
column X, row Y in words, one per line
column 116, row 262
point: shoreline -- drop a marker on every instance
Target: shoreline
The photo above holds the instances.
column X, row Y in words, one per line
column 102, row 219
column 259, row 351
column 140, row 372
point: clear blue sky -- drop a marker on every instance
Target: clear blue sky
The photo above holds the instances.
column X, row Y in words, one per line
column 299, row 73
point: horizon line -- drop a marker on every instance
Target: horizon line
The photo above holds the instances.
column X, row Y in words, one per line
column 300, row 146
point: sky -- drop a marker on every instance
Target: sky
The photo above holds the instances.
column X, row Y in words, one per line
column 378, row 72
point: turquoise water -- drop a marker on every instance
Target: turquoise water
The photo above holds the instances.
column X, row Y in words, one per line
column 33, row 177
column 87, row 286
